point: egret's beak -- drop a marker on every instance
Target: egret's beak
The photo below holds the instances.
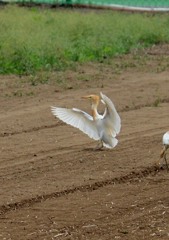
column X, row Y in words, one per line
column 85, row 97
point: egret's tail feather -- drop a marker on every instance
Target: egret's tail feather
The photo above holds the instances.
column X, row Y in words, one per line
column 114, row 142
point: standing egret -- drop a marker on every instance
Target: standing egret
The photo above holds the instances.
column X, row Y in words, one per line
column 99, row 127
column 165, row 147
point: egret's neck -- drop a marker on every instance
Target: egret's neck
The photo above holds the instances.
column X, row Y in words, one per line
column 94, row 111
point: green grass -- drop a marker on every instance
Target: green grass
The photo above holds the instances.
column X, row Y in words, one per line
column 34, row 39
column 133, row 3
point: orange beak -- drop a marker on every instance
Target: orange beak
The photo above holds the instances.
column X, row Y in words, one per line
column 86, row 97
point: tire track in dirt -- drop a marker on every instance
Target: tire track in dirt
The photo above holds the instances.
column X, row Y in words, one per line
column 77, row 150
column 34, row 129
column 60, row 123
column 161, row 100
column 78, row 147
column 132, row 177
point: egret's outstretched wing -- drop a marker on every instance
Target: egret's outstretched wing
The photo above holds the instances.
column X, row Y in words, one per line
column 78, row 119
column 111, row 118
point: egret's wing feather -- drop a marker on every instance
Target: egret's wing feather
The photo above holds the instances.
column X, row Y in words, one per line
column 78, row 119
column 111, row 118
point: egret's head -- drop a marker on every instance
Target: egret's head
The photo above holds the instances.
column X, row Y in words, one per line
column 93, row 98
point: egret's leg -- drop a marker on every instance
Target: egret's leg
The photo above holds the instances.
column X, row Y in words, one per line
column 158, row 163
column 99, row 146
column 162, row 156
column 165, row 159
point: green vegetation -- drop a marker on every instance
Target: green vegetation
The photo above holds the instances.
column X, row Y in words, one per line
column 34, row 39
column 133, row 3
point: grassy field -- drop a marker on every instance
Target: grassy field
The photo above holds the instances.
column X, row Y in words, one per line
column 34, row 39
column 133, row 3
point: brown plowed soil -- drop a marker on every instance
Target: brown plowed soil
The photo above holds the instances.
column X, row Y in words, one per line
column 54, row 186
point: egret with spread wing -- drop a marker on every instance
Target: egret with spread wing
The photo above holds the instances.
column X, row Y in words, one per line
column 165, row 147
column 99, row 127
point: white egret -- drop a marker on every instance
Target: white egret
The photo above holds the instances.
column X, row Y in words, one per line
column 165, row 141
column 98, row 127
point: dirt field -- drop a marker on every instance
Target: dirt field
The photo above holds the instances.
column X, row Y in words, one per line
column 54, row 186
